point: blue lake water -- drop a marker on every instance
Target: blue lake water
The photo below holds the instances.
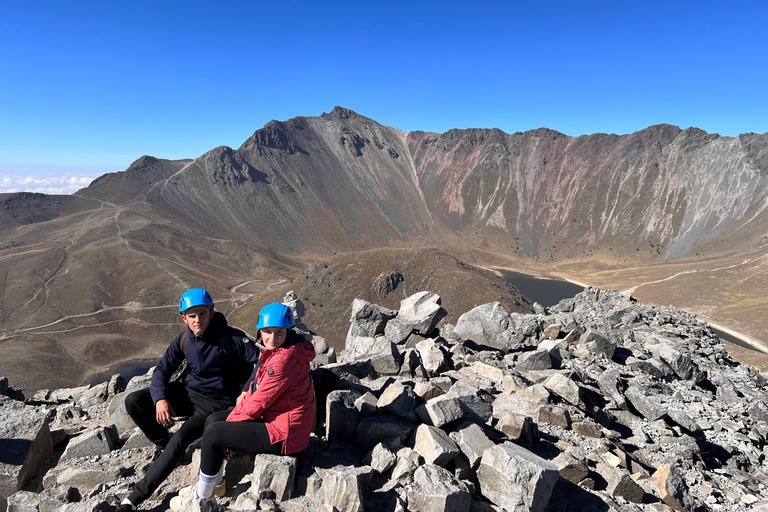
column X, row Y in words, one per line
column 549, row 292
column 127, row 370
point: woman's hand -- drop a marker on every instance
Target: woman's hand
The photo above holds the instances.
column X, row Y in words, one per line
column 240, row 398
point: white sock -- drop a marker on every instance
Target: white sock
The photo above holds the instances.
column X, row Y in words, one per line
column 205, row 486
column 126, row 501
column 220, row 475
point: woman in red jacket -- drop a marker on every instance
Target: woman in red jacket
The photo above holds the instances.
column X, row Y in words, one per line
column 274, row 414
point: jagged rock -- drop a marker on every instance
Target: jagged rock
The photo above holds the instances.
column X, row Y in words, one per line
column 118, row 416
column 685, row 422
column 610, row 384
column 116, row 385
column 440, row 411
column 96, row 441
column 273, row 476
column 25, row 442
column 61, row 395
column 487, row 370
column 381, row 458
column 85, row 478
column 472, row 403
column 595, row 342
column 435, row 490
column 516, row 479
column 135, row 440
column 433, row 359
column 367, row 320
column 407, row 463
column 565, row 388
column 681, row 364
column 536, row 393
column 554, row 415
column 644, row 404
column 620, row 483
column 518, row 426
column 400, row 400
column 398, row 331
column 341, row 415
column 382, row 354
column 587, row 429
column 434, row 445
column 672, row 489
column 472, row 441
column 4, row 386
column 571, row 468
column 23, row 501
column 427, row 390
column 292, row 300
column 96, row 395
column 421, row 311
column 536, row 360
column 488, row 325
column 366, row 404
column 341, row 489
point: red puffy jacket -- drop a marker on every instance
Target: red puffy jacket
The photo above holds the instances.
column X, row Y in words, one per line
column 282, row 396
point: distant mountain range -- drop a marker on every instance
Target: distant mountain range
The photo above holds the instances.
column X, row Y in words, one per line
column 90, row 279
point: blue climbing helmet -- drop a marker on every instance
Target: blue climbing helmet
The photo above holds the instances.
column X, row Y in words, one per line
column 276, row 315
column 194, row 297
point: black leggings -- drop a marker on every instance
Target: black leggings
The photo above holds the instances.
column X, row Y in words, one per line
column 250, row 437
column 185, row 402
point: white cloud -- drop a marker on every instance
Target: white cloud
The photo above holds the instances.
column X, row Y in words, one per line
column 46, row 185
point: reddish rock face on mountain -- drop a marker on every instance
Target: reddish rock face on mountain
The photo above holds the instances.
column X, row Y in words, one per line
column 91, row 280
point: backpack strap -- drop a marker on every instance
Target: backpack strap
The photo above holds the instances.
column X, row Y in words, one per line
column 185, row 342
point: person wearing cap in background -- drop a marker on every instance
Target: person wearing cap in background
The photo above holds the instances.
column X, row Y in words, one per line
column 274, row 414
column 216, row 356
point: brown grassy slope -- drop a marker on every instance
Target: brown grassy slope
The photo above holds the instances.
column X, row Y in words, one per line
column 385, row 277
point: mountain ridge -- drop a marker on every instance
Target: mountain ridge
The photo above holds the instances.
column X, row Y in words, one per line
column 674, row 214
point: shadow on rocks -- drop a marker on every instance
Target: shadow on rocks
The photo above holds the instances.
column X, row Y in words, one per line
column 569, row 497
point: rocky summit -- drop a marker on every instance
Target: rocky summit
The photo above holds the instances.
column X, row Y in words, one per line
column 599, row 403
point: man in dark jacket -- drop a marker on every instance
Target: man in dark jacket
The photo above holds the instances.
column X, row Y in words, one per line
column 214, row 354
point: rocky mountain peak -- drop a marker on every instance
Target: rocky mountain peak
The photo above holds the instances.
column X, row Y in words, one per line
column 341, row 113
column 598, row 403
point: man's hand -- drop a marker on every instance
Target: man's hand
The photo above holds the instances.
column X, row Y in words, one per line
column 164, row 411
column 240, row 398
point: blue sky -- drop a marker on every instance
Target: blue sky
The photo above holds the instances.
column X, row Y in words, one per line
column 88, row 87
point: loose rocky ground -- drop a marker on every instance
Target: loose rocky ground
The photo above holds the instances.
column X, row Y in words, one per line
column 596, row 404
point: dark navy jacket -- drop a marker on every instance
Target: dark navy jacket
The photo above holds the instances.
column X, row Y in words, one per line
column 212, row 371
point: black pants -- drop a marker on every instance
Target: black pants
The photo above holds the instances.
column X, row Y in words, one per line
column 250, row 437
column 185, row 402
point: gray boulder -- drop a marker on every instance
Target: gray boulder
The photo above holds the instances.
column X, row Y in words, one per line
column 472, row 441
column 516, row 479
column 434, row 445
column 341, row 489
column 488, row 325
column 434, row 489
column 96, row 441
column 273, row 476
column 341, row 415
column 440, row 411
column 400, row 400
column 420, row 311
column 367, row 320
column 25, row 442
